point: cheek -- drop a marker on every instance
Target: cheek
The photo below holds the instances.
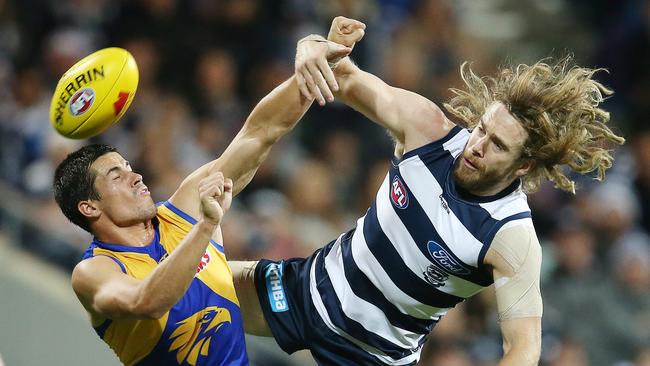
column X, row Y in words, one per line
column 497, row 162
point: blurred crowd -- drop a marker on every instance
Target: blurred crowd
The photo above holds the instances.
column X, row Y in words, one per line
column 204, row 64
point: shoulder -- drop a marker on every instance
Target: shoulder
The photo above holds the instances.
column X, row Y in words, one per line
column 90, row 271
column 516, row 243
column 450, row 144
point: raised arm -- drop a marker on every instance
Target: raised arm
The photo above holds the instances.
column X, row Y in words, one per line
column 411, row 118
column 515, row 256
column 106, row 292
column 273, row 117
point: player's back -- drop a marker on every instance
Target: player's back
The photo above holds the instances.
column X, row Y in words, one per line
column 203, row 328
column 416, row 253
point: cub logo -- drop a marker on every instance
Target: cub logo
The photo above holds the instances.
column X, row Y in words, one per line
column 81, row 101
column 398, row 194
column 193, row 335
column 444, row 260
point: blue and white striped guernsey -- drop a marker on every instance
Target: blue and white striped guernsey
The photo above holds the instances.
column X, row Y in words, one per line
column 416, row 253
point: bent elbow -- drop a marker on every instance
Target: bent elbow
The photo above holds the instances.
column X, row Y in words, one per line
column 147, row 309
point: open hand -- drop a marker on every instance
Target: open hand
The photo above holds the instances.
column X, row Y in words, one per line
column 315, row 55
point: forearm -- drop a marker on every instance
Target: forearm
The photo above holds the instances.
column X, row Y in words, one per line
column 367, row 94
column 277, row 113
column 521, row 356
column 273, row 117
column 167, row 283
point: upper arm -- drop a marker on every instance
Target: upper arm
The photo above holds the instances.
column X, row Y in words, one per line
column 515, row 257
column 413, row 119
column 104, row 290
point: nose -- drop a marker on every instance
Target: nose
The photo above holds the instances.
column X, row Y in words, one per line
column 137, row 179
column 478, row 148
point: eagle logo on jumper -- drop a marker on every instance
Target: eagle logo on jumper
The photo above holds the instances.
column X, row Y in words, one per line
column 193, row 336
column 398, row 194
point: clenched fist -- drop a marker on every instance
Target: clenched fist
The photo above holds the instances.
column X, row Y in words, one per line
column 215, row 193
column 346, row 31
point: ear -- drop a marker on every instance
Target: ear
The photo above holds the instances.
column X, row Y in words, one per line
column 525, row 167
column 89, row 209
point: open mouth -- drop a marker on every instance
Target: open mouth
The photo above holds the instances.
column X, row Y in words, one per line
column 469, row 164
column 143, row 190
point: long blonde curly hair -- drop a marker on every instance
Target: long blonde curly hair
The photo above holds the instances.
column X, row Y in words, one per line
column 558, row 105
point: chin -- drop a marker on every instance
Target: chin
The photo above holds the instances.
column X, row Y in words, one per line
column 151, row 211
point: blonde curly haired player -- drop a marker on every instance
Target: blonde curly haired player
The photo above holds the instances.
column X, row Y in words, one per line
column 558, row 105
column 450, row 219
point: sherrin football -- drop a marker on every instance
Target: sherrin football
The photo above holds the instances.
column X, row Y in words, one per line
column 94, row 93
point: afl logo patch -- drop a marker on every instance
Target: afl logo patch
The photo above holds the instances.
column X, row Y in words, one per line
column 398, row 194
column 444, row 260
column 81, row 101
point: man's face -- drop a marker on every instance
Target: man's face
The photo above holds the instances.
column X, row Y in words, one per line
column 490, row 159
column 125, row 200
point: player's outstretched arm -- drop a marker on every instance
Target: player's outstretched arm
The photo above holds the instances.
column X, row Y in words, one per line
column 411, row 118
column 515, row 256
column 106, row 292
column 273, row 117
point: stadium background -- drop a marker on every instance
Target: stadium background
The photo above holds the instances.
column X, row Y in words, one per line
column 203, row 66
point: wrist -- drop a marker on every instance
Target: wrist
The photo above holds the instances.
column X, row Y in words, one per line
column 312, row 37
column 206, row 226
column 343, row 66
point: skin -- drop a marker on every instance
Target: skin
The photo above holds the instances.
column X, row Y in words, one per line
column 490, row 161
column 123, row 213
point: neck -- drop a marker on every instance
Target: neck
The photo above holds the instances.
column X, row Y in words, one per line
column 137, row 235
column 491, row 191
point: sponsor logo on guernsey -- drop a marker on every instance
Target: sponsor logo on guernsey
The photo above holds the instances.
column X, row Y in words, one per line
column 398, row 194
column 444, row 260
column 203, row 263
column 193, row 335
column 274, row 288
column 81, row 101
column 443, row 202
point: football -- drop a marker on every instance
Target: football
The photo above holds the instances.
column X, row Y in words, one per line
column 94, row 93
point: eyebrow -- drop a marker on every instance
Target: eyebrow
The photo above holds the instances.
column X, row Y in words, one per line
column 117, row 167
column 496, row 138
column 500, row 142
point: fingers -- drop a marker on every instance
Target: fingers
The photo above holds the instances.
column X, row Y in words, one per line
column 212, row 185
column 228, row 185
column 350, row 25
column 328, row 75
column 311, row 84
column 346, row 31
column 336, row 51
column 324, row 92
column 302, row 85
